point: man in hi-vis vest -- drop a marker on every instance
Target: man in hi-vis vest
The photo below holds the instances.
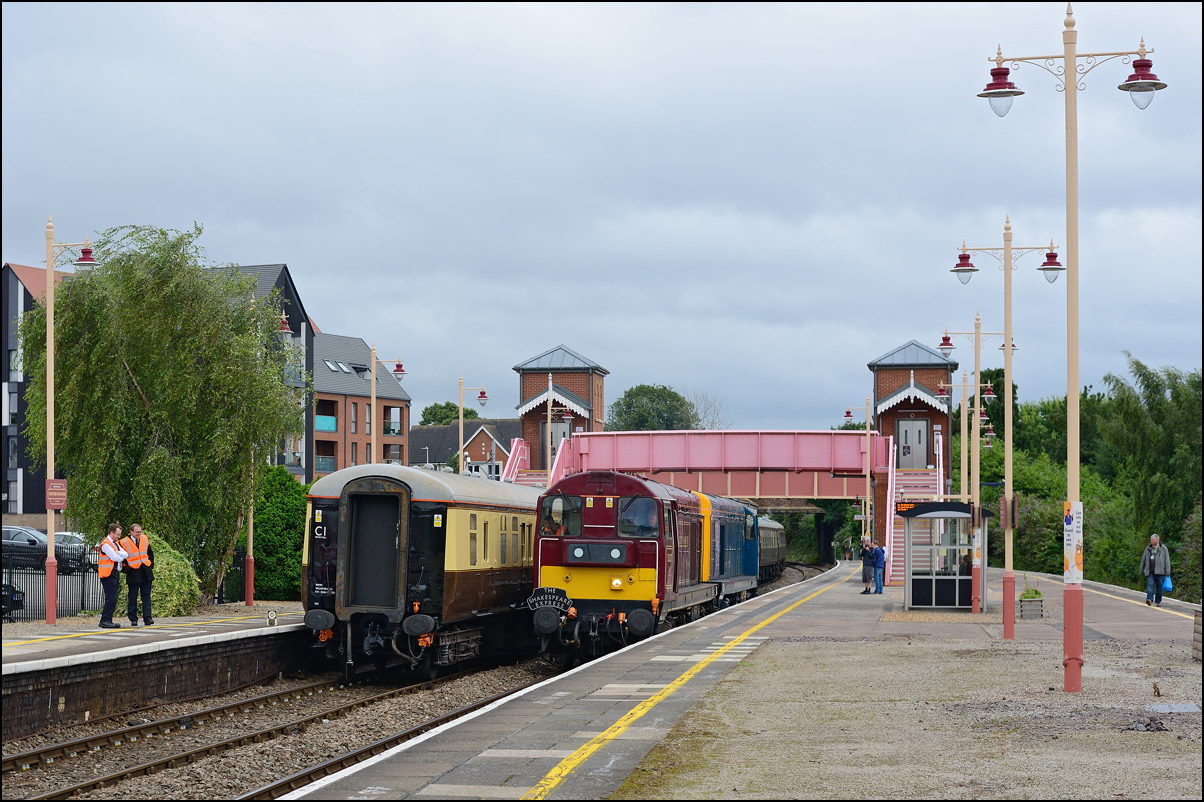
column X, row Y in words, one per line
column 138, row 574
column 111, row 558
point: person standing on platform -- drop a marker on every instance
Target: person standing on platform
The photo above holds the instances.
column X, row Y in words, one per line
column 867, row 564
column 879, row 567
column 138, row 574
column 1155, row 564
column 111, row 558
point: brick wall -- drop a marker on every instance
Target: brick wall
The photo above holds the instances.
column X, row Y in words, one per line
column 891, row 379
column 34, row 701
column 344, row 437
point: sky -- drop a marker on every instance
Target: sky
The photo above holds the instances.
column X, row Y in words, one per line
column 746, row 201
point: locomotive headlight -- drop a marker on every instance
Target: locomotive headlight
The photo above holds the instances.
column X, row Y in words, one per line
column 579, row 552
column 614, row 554
column 616, row 583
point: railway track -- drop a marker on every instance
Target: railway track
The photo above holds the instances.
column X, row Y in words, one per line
column 49, row 755
column 302, row 778
column 44, row 756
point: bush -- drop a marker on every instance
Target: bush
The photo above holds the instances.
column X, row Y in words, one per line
column 1185, row 565
column 175, row 589
column 279, row 531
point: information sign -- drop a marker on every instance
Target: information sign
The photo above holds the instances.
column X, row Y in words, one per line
column 1072, row 542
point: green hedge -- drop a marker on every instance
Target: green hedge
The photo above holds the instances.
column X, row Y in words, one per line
column 279, row 529
column 176, row 589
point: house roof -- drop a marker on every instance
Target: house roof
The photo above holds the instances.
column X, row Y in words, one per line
column 912, row 392
column 559, row 396
column 442, row 442
column 913, row 355
column 560, row 358
column 34, row 278
column 353, row 352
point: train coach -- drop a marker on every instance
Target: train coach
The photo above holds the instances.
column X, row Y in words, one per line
column 771, row 541
column 424, row 568
column 619, row 555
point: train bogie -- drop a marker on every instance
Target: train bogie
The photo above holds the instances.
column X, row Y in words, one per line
column 425, row 568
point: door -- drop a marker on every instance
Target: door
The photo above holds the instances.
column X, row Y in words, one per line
column 913, row 443
column 560, row 430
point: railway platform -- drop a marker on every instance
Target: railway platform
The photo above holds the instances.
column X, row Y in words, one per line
column 603, row 729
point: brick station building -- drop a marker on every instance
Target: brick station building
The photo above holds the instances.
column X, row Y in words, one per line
column 576, row 387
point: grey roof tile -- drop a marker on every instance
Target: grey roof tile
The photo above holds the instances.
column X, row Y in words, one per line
column 355, row 354
column 560, row 358
column 913, row 355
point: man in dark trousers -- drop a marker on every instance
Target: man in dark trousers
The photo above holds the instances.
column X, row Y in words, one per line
column 1155, row 564
column 111, row 558
column 138, row 574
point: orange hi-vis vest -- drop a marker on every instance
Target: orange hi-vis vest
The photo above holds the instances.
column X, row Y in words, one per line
column 106, row 562
column 137, row 550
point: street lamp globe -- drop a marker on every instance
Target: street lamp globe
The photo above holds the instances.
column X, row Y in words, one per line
column 482, row 398
column 964, row 269
column 946, row 347
column 85, row 262
column 1000, row 91
column 1142, row 84
column 1051, row 267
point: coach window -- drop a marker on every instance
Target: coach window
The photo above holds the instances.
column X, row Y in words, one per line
column 502, row 553
column 472, row 539
column 638, row 517
column 485, row 541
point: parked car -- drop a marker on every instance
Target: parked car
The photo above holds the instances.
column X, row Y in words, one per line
column 81, row 540
column 26, row 548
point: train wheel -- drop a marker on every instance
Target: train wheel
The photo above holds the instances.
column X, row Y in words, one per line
column 428, row 669
column 563, row 659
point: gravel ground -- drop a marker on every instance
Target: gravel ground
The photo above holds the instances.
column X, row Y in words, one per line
column 956, row 719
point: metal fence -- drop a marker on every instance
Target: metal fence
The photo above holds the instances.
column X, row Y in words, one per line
column 234, row 583
column 24, row 588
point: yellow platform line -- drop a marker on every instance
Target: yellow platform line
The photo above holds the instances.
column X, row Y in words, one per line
column 99, row 631
column 1123, row 599
column 567, row 766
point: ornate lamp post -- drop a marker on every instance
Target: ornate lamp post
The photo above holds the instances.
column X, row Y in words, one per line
column 398, row 374
column 481, row 399
column 560, row 413
column 866, row 526
column 984, row 396
column 83, row 264
column 965, row 270
column 1141, row 85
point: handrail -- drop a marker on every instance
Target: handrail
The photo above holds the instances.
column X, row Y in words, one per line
column 520, row 459
column 940, row 472
column 890, row 500
column 566, row 461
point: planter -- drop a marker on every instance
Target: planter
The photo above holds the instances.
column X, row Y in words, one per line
column 1031, row 608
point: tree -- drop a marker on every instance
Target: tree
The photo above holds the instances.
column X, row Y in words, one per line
column 709, row 413
column 444, row 414
column 649, row 408
column 1155, row 434
column 171, row 393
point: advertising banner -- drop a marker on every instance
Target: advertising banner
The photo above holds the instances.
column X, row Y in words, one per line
column 1072, row 542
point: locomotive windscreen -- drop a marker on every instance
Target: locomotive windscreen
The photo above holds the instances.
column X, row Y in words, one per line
column 375, row 536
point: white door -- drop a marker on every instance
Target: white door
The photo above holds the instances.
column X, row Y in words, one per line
column 913, row 443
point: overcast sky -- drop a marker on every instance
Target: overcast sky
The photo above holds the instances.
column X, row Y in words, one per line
column 747, row 201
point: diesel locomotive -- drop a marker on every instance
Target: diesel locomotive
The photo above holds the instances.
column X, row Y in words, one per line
column 617, row 556
column 422, row 568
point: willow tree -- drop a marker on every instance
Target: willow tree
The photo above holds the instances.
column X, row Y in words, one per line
column 172, row 392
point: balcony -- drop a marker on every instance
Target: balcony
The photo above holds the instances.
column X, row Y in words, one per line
column 325, row 465
column 391, row 427
column 326, row 423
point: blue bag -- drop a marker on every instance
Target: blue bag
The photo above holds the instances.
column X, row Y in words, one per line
column 1167, row 587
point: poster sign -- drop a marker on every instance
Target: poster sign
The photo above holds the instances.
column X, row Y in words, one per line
column 977, row 547
column 1072, row 542
column 56, row 494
